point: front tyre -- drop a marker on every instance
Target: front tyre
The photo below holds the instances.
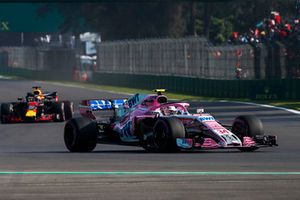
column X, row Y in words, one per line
column 165, row 133
column 247, row 126
column 80, row 135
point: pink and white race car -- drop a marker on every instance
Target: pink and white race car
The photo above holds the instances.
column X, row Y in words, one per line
column 155, row 124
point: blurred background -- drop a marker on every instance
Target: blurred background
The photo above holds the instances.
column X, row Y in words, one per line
column 238, row 49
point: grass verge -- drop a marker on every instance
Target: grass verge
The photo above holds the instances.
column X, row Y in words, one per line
column 291, row 104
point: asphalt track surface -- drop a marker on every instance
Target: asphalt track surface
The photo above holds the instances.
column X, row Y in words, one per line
column 218, row 174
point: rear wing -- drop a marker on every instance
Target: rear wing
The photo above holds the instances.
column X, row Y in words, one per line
column 88, row 108
column 103, row 104
column 110, row 104
column 106, row 104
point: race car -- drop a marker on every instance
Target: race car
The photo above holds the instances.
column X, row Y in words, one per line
column 37, row 107
column 155, row 124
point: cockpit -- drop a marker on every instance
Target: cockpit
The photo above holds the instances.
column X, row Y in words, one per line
column 162, row 99
column 154, row 100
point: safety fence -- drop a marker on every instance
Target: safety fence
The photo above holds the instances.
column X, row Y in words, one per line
column 192, row 57
column 292, row 52
column 196, row 57
column 38, row 58
column 187, row 65
column 187, row 57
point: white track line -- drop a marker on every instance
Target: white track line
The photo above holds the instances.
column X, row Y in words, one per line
column 83, row 87
column 266, row 106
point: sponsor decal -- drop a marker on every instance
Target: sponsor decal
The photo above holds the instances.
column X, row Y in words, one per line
column 210, row 143
column 100, row 104
column 223, row 131
column 248, row 142
column 4, row 26
column 133, row 100
column 126, row 131
column 214, row 125
column 206, row 118
column 119, row 102
column 185, row 143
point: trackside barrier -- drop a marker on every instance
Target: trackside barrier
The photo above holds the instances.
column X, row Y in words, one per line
column 253, row 89
column 3, row 59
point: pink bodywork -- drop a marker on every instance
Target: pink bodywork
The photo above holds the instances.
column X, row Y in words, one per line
column 152, row 106
column 149, row 107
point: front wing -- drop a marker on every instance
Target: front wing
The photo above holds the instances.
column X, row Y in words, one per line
column 208, row 143
column 19, row 119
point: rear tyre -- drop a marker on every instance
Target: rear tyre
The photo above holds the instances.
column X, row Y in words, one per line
column 247, row 126
column 68, row 109
column 6, row 111
column 59, row 111
column 165, row 133
column 80, row 135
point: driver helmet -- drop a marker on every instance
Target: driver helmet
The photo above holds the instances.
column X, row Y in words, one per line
column 37, row 92
column 171, row 110
column 38, row 95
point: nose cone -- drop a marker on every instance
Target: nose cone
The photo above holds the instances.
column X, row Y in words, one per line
column 30, row 113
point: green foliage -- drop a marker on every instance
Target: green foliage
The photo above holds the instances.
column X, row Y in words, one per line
column 221, row 30
column 128, row 20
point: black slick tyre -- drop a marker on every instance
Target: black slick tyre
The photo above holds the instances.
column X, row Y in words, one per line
column 6, row 111
column 58, row 108
column 165, row 133
column 247, row 126
column 80, row 135
column 68, row 110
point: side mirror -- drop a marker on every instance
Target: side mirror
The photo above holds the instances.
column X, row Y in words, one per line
column 200, row 110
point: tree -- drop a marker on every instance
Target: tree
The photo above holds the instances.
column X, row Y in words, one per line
column 132, row 20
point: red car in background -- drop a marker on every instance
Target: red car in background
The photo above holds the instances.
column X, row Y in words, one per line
column 37, row 107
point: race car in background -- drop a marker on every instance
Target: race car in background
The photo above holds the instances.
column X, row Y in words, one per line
column 37, row 107
column 155, row 124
